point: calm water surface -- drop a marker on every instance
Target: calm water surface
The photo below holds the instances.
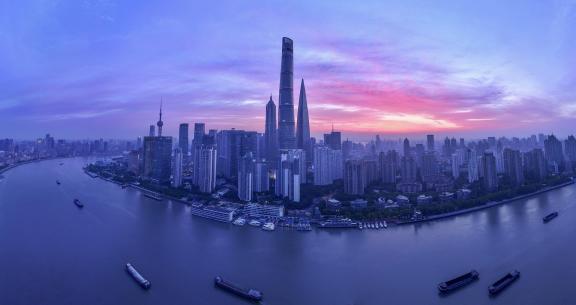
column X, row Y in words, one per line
column 53, row 253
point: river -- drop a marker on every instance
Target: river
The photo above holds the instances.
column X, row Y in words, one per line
column 51, row 252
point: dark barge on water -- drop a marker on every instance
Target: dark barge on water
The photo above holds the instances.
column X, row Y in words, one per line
column 144, row 283
column 503, row 282
column 78, row 203
column 549, row 217
column 156, row 197
column 458, row 282
column 250, row 294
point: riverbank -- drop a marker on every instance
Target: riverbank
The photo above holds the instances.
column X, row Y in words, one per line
column 430, row 218
column 137, row 187
column 5, row 169
column 485, row 206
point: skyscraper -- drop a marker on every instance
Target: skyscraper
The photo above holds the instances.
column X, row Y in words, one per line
column 286, row 138
column 177, row 168
column 430, row 171
column 535, row 165
column 261, row 178
column 513, row 166
column 406, row 147
column 408, row 169
column 270, row 135
column 152, row 131
column 289, row 174
column 183, row 139
column 204, row 174
column 333, row 139
column 388, row 164
column 327, row 165
column 473, row 167
column 430, row 142
column 199, row 131
column 553, row 150
column 489, row 174
column 303, row 124
column 355, row 177
column 245, row 177
column 570, row 148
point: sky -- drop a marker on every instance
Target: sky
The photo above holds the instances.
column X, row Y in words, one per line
column 99, row 68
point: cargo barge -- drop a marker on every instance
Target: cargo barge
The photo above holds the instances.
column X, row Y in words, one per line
column 156, row 197
column 78, row 203
column 458, row 282
column 549, row 217
column 250, row 294
column 503, row 282
column 144, row 283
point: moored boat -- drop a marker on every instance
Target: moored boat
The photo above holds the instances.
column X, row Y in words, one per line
column 255, row 223
column 240, row 221
column 549, row 217
column 339, row 223
column 503, row 282
column 458, row 282
column 269, row 226
column 250, row 294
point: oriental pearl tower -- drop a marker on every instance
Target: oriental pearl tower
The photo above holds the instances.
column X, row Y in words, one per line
column 160, row 123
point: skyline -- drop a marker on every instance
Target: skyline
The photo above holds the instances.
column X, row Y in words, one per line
column 415, row 77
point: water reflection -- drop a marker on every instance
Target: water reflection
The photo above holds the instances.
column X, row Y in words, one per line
column 43, row 236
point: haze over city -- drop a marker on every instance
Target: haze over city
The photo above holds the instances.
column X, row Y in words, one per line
column 99, row 68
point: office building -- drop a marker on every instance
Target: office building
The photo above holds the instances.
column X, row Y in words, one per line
column 430, row 142
column 177, row 167
column 513, row 166
column 289, row 175
column 489, row 172
column 183, row 139
column 388, row 164
column 204, row 170
column 333, row 140
column 246, row 177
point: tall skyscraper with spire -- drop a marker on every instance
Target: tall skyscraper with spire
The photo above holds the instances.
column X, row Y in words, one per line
column 270, row 134
column 303, row 124
column 286, row 138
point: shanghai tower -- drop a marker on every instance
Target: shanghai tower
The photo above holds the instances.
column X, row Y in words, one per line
column 286, row 138
column 303, row 124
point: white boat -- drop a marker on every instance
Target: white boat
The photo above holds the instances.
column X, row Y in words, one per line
column 385, row 224
column 255, row 223
column 240, row 221
column 269, row 226
column 360, row 226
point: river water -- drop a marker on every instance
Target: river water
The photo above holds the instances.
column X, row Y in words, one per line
column 54, row 253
